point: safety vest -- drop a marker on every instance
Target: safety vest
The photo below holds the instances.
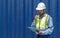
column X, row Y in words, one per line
column 42, row 23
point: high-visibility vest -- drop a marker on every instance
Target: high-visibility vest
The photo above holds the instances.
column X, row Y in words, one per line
column 42, row 23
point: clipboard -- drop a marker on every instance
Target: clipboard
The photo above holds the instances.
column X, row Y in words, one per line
column 33, row 29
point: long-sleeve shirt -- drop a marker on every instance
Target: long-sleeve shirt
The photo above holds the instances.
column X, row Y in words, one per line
column 47, row 31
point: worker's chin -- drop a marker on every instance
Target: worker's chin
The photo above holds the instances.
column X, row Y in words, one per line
column 41, row 13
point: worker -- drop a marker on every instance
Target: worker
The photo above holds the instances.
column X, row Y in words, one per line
column 43, row 22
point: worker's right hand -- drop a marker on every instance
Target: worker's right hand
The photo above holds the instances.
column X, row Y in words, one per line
column 36, row 17
column 38, row 32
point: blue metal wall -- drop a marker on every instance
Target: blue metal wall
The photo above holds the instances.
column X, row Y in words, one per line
column 17, row 15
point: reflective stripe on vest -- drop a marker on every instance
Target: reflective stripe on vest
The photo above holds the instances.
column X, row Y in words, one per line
column 42, row 23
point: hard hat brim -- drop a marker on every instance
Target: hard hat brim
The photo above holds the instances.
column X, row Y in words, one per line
column 40, row 8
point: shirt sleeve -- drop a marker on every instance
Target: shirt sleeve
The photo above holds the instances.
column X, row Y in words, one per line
column 33, row 23
column 50, row 27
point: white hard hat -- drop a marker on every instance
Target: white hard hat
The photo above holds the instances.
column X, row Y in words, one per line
column 41, row 6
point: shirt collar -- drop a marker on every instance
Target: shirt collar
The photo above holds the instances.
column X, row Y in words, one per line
column 42, row 15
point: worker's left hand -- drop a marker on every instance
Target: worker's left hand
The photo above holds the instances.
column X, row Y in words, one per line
column 39, row 32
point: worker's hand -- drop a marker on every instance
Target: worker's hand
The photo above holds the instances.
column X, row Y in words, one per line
column 39, row 32
column 36, row 17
